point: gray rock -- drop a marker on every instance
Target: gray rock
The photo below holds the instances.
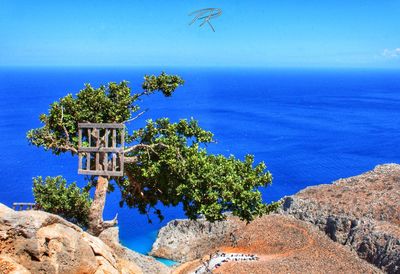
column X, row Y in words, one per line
column 378, row 242
column 185, row 240
column 148, row 264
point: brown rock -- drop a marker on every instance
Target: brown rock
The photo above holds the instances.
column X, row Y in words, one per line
column 9, row 266
column 286, row 245
column 39, row 242
column 184, row 240
column 361, row 212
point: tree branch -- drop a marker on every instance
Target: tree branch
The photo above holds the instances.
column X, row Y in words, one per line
column 151, row 147
column 137, row 116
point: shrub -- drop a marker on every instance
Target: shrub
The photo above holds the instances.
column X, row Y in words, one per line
column 54, row 196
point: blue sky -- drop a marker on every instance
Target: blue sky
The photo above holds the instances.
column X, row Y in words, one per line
column 285, row 33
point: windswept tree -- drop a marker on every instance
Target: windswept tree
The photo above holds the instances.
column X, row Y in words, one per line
column 164, row 162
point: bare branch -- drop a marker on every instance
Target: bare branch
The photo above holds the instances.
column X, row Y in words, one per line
column 137, row 116
column 130, row 160
column 138, row 146
column 62, row 124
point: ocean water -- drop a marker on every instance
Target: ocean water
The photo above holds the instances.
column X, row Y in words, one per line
column 309, row 126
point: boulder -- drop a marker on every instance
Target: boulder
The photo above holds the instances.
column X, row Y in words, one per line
column 39, row 242
column 185, row 240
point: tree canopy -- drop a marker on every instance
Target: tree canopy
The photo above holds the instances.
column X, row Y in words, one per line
column 165, row 162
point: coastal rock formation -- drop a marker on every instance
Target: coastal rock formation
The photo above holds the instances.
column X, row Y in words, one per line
column 185, row 240
column 148, row 264
column 284, row 244
column 39, row 242
column 362, row 213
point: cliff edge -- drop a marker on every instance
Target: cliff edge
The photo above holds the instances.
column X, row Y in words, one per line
column 39, row 242
column 325, row 228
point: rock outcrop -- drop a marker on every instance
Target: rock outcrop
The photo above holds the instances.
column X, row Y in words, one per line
column 362, row 213
column 185, row 240
column 147, row 264
column 39, row 242
column 284, row 244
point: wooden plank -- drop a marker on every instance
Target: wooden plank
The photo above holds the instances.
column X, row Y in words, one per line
column 121, row 162
column 90, row 137
column 80, row 138
column 100, row 125
column 87, row 161
column 101, row 149
column 17, row 204
column 106, row 135
column 114, row 162
column 105, row 161
column 122, row 138
column 97, row 146
column 114, row 138
column 100, row 172
column 79, row 160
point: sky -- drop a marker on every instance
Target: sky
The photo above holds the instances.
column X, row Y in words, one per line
column 258, row 33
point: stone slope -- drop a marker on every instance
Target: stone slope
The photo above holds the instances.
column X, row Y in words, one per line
column 284, row 244
column 185, row 240
column 39, row 242
column 361, row 213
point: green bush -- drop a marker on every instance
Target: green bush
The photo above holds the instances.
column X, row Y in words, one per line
column 54, row 196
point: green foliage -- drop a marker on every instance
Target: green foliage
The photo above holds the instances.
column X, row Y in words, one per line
column 177, row 169
column 106, row 104
column 54, row 196
column 165, row 163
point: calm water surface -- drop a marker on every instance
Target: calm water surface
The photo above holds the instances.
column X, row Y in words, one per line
column 309, row 126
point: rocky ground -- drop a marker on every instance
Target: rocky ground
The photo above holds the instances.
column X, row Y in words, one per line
column 39, row 242
column 360, row 214
column 350, row 226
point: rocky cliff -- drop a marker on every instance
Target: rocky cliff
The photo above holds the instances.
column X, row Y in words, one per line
column 39, row 242
column 185, row 240
column 361, row 213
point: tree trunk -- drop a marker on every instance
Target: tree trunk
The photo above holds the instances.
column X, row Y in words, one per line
column 96, row 223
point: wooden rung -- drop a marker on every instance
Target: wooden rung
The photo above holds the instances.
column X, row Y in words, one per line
column 88, row 161
column 105, row 162
column 79, row 160
column 80, row 138
column 114, row 138
column 89, row 137
column 114, row 162
column 100, row 125
column 106, row 135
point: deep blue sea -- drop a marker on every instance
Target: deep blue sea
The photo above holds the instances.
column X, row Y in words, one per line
column 310, row 126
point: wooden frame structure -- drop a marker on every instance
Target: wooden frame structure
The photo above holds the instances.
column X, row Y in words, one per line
column 101, row 149
column 23, row 206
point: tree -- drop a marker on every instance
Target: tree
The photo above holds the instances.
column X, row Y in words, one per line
column 165, row 163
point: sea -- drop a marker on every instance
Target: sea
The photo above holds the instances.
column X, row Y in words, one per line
column 310, row 126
